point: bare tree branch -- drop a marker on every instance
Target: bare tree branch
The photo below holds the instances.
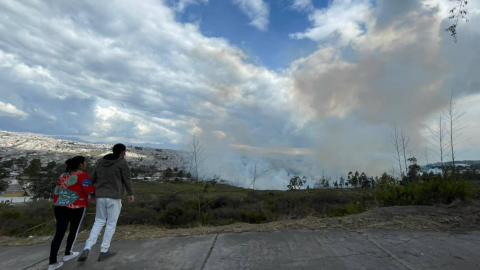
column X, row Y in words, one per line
column 438, row 133
column 196, row 156
column 260, row 171
column 454, row 126
column 396, row 144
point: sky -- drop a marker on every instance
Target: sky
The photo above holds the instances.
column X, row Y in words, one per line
column 317, row 84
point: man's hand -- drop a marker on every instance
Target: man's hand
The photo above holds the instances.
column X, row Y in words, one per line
column 93, row 199
column 131, row 199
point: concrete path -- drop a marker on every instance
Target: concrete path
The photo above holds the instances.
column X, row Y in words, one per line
column 300, row 249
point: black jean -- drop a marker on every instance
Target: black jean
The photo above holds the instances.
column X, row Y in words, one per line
column 64, row 216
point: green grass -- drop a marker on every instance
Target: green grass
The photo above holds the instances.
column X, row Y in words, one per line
column 184, row 205
column 176, row 205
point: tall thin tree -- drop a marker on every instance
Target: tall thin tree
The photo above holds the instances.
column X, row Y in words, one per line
column 395, row 140
column 454, row 129
column 196, row 155
column 405, row 144
column 426, row 155
column 438, row 133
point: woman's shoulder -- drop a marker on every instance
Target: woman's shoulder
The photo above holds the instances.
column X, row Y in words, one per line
column 82, row 175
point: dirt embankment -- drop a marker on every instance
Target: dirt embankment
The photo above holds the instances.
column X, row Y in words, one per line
column 457, row 217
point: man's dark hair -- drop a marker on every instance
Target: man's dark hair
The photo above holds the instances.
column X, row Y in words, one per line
column 119, row 148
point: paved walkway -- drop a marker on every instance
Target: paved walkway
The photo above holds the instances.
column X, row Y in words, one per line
column 368, row 249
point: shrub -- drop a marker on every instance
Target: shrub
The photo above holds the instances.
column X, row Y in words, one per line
column 355, row 208
column 428, row 192
column 252, row 216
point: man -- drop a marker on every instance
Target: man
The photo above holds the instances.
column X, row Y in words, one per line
column 111, row 177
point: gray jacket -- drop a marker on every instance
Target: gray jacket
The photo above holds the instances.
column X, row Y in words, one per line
column 111, row 177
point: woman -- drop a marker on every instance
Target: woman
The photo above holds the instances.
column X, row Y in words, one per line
column 71, row 200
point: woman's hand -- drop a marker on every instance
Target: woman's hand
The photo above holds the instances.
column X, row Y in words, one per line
column 93, row 199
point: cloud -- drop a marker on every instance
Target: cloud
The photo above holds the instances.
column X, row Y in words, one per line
column 402, row 71
column 7, row 109
column 257, row 10
column 137, row 61
column 132, row 72
column 342, row 19
column 181, row 5
column 302, row 5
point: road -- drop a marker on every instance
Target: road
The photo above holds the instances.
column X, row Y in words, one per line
column 299, row 249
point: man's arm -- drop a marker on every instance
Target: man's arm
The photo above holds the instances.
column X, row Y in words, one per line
column 93, row 177
column 126, row 179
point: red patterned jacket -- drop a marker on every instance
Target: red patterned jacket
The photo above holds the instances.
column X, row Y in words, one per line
column 72, row 190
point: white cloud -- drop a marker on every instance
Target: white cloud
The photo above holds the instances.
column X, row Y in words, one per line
column 180, row 5
column 135, row 73
column 302, row 5
column 342, row 19
column 7, row 109
column 257, row 10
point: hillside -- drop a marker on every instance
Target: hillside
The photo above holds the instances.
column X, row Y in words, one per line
column 18, row 150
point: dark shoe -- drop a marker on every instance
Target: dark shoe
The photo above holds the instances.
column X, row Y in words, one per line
column 84, row 256
column 105, row 255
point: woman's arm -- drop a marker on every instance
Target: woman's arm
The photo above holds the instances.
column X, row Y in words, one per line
column 87, row 186
column 57, row 190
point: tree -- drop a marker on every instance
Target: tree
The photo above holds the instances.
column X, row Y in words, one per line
column 364, row 181
column 196, row 156
column 175, row 169
column 457, row 12
column 34, row 168
column 296, row 183
column 454, row 129
column 168, row 172
column 374, row 181
column 43, row 189
column 413, row 170
column 396, row 141
column 3, row 185
column 260, row 171
column 385, row 179
column 405, row 143
column 188, row 175
column 438, row 140
column 353, row 179
column 342, row 181
column 426, row 155
column 51, row 166
column 326, row 183
column 335, row 184
column 180, row 173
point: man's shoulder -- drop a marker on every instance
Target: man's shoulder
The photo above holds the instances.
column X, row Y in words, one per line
column 123, row 162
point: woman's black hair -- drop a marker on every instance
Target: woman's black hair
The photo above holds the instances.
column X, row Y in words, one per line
column 74, row 163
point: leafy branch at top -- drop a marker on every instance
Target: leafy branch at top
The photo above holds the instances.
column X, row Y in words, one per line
column 457, row 12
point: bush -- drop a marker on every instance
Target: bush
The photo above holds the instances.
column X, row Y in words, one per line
column 441, row 190
column 33, row 218
column 252, row 216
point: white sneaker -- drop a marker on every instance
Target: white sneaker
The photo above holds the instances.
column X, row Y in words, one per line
column 71, row 256
column 55, row 266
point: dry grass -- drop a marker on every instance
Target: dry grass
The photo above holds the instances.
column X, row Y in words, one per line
column 456, row 217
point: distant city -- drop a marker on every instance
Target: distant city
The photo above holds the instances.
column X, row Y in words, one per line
column 145, row 162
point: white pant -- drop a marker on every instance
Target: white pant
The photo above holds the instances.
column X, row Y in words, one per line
column 108, row 211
